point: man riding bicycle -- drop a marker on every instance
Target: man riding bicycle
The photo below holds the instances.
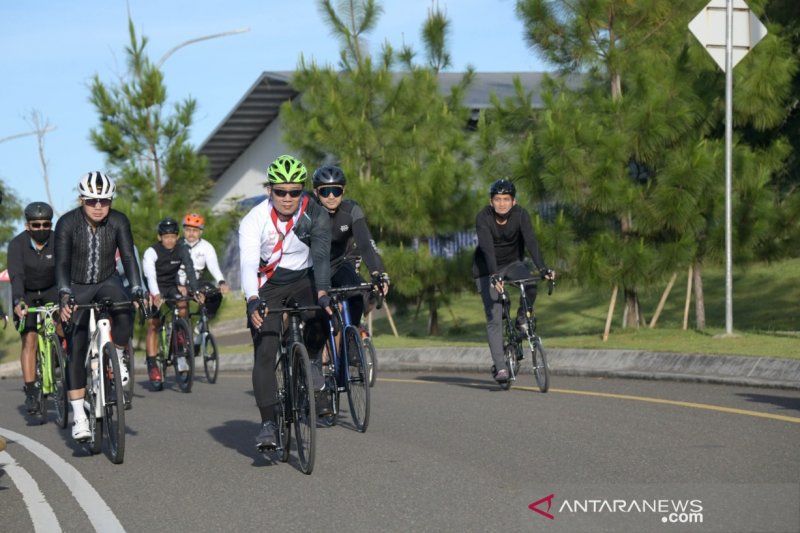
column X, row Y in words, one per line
column 32, row 270
column 504, row 233
column 86, row 241
column 204, row 257
column 348, row 230
column 280, row 240
column 161, row 263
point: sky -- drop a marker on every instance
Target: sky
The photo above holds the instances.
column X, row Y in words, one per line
column 50, row 51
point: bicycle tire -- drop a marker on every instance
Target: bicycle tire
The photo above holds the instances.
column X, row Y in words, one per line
column 331, row 388
column 357, row 378
column 541, row 369
column 113, row 404
column 303, row 409
column 59, row 382
column 129, row 364
column 210, row 357
column 95, row 443
column 181, row 346
column 283, row 422
column 372, row 360
column 41, row 397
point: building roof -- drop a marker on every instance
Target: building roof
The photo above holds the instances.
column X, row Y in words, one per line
column 261, row 103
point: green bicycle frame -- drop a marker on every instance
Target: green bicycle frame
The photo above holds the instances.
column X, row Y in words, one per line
column 45, row 329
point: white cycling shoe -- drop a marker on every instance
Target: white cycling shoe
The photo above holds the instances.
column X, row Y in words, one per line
column 80, row 430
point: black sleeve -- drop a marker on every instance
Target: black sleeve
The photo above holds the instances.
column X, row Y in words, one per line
column 364, row 241
column 526, row 227
column 186, row 259
column 320, row 246
column 486, row 242
column 16, row 269
column 63, row 251
column 126, row 252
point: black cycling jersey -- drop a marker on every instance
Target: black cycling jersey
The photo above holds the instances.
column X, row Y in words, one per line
column 86, row 255
column 349, row 235
column 31, row 270
column 502, row 244
column 168, row 263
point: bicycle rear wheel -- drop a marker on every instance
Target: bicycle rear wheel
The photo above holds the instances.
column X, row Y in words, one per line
column 281, row 408
column 357, row 378
column 210, row 357
column 59, row 367
column 331, row 387
column 541, row 370
column 181, row 347
column 304, row 409
column 372, row 360
column 128, row 359
column 113, row 404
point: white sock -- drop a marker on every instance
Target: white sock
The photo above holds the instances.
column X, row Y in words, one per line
column 77, row 409
column 120, row 352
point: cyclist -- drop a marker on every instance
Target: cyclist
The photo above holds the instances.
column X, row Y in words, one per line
column 161, row 263
column 204, row 257
column 280, row 240
column 504, row 233
column 32, row 270
column 349, row 232
column 86, row 240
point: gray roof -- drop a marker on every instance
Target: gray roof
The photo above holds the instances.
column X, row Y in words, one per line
column 261, row 103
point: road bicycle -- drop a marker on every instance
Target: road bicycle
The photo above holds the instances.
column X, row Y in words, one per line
column 104, row 400
column 526, row 343
column 295, row 391
column 347, row 369
column 370, row 354
column 175, row 346
column 204, row 342
column 51, row 364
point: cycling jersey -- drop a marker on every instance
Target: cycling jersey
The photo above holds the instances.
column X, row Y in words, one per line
column 350, row 235
column 31, row 270
column 204, row 257
column 161, row 267
column 499, row 245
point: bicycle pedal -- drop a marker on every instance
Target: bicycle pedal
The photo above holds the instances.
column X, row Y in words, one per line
column 266, row 448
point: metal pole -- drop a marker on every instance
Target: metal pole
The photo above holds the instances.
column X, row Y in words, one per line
column 728, row 167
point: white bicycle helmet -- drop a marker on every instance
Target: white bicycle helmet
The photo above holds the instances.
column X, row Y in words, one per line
column 96, row 185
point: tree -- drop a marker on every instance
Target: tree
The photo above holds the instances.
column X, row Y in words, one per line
column 158, row 173
column 403, row 145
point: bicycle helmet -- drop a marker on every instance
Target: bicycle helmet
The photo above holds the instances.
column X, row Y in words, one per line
column 328, row 175
column 96, row 185
column 503, row 186
column 286, row 169
column 38, row 211
column 168, row 225
column 195, row 220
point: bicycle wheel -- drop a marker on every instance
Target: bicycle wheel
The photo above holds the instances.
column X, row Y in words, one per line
column 372, row 360
column 128, row 358
column 113, row 404
column 59, row 367
column 41, row 368
column 95, row 423
column 282, row 421
column 210, row 357
column 331, row 388
column 303, row 408
column 508, row 357
column 181, row 347
column 541, row 370
column 357, row 378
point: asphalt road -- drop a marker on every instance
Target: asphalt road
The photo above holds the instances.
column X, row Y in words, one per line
column 443, row 452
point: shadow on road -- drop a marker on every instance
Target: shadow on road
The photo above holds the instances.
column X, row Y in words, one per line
column 784, row 402
column 471, row 383
column 237, row 435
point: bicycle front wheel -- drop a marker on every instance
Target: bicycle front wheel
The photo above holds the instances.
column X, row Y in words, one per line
column 541, row 370
column 42, row 378
column 113, row 404
column 210, row 357
column 372, row 360
column 304, row 409
column 357, row 378
column 128, row 359
column 281, row 409
column 182, row 353
column 95, row 422
column 59, row 367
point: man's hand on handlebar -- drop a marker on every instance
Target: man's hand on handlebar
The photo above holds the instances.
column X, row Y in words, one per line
column 257, row 310
column 497, row 283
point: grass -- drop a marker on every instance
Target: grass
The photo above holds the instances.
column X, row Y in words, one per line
column 766, row 318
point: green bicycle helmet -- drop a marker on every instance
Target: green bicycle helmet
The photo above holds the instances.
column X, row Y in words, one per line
column 286, row 169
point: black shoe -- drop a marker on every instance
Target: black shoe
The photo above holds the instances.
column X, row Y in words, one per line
column 31, row 400
column 317, row 378
column 323, row 401
column 266, row 438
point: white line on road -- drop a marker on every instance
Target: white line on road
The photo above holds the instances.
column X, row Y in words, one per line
column 100, row 514
column 42, row 515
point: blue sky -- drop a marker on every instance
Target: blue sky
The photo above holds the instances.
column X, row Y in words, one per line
column 50, row 50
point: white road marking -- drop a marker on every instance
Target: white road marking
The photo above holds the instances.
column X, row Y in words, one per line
column 42, row 515
column 100, row 514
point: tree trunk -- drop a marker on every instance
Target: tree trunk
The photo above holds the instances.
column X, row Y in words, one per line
column 610, row 314
column 433, row 320
column 663, row 300
column 632, row 308
column 699, row 302
column 688, row 299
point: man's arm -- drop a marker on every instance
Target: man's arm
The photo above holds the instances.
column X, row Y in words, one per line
column 249, row 253
column 149, row 267
column 16, row 271
column 212, row 263
column 486, row 242
column 188, row 264
column 321, row 247
column 526, row 229
column 126, row 253
column 63, row 251
column 365, row 243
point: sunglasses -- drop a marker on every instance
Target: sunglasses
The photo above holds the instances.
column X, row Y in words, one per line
column 40, row 225
column 97, row 202
column 327, row 191
column 280, row 193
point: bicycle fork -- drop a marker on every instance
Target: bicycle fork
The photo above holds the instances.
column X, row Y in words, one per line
column 100, row 334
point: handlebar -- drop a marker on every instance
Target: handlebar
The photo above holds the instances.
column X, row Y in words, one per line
column 50, row 309
column 376, row 287
column 519, row 283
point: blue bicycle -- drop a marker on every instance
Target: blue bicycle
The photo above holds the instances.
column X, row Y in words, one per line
column 346, row 367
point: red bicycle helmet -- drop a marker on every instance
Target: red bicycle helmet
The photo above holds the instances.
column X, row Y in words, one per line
column 195, row 220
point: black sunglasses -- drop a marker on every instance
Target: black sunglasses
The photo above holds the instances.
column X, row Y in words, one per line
column 97, row 202
column 40, row 225
column 335, row 190
column 280, row 193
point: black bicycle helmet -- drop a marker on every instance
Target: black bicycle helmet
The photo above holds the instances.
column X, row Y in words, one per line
column 168, row 225
column 503, row 186
column 38, row 211
column 328, row 175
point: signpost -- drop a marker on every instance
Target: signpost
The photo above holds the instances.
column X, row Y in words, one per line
column 728, row 30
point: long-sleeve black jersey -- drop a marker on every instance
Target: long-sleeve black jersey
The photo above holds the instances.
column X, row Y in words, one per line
column 502, row 244
column 349, row 233
column 88, row 257
column 29, row 268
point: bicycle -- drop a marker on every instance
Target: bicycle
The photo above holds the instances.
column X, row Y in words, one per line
column 175, row 343
column 517, row 345
column 295, row 389
column 50, row 373
column 104, row 399
column 204, row 342
column 366, row 337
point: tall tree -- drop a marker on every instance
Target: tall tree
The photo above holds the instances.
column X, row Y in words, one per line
column 403, row 145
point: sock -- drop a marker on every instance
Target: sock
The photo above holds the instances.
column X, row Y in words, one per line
column 29, row 386
column 77, row 409
column 267, row 413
